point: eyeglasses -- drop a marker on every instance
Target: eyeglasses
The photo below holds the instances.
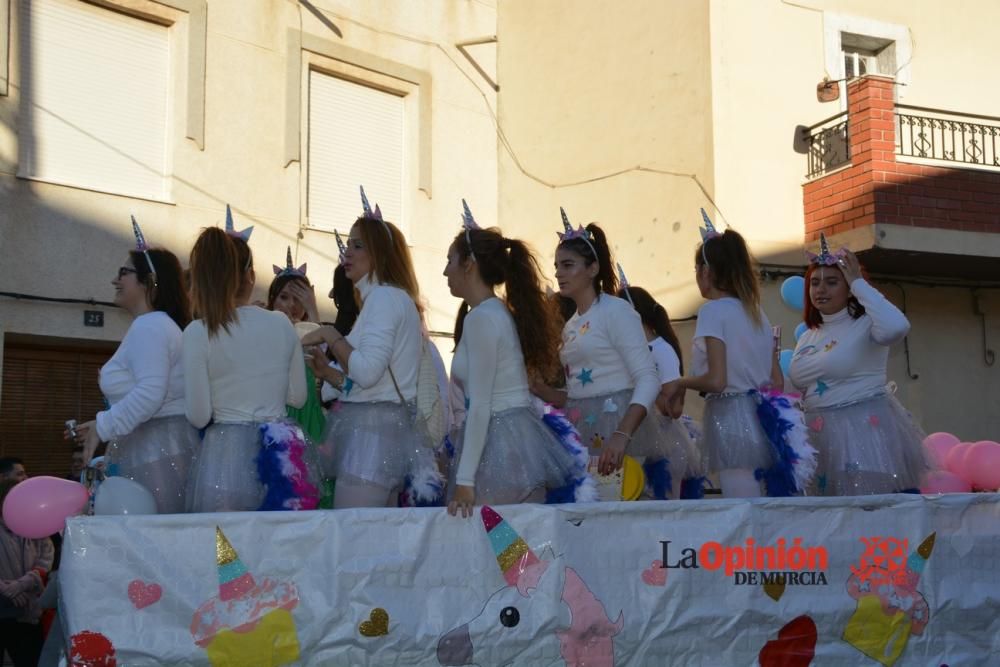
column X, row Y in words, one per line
column 124, row 271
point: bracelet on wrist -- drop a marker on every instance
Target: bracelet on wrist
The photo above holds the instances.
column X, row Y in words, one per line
column 627, row 436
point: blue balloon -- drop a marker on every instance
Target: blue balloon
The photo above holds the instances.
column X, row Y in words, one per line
column 793, row 292
column 785, row 361
column 799, row 330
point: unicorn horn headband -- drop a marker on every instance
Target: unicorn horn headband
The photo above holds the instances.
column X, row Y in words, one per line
column 468, row 224
column 231, row 229
column 289, row 269
column 512, row 552
column 624, row 283
column 367, row 212
column 708, row 231
column 825, row 257
column 143, row 247
column 341, row 246
column 579, row 233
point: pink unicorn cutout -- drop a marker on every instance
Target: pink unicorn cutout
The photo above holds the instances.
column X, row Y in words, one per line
column 542, row 598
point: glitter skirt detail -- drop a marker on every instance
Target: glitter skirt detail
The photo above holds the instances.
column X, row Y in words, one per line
column 682, row 447
column 870, row 446
column 224, row 471
column 521, row 455
column 375, row 443
column 157, row 454
column 732, row 436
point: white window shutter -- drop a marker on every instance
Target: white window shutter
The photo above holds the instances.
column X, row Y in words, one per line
column 356, row 137
column 96, row 89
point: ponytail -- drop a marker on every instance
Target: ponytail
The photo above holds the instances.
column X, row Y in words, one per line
column 509, row 262
column 216, row 277
column 732, row 269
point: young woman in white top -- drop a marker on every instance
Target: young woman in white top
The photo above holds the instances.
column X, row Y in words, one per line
column 149, row 439
column 611, row 381
column 371, row 444
column 867, row 441
column 685, row 461
column 504, row 453
column 734, row 357
column 242, row 365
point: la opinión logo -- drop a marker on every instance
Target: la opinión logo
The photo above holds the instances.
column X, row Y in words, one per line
column 751, row 564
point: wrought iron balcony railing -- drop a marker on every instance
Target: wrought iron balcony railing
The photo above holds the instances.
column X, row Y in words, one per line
column 829, row 145
column 955, row 138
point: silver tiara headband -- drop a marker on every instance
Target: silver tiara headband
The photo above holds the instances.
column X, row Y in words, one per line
column 143, row 247
column 708, row 232
column 624, row 283
column 825, row 257
column 367, row 212
column 568, row 233
column 341, row 246
column 289, row 269
column 468, row 224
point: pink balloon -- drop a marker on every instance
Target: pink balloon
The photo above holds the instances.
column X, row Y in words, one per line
column 982, row 465
column 939, row 444
column 955, row 460
column 942, row 481
column 39, row 506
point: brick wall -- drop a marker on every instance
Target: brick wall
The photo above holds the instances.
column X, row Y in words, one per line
column 877, row 188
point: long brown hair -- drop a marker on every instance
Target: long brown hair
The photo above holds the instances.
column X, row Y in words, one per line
column 390, row 256
column 509, row 262
column 216, row 278
column 732, row 269
column 653, row 316
column 167, row 292
column 811, row 316
column 605, row 281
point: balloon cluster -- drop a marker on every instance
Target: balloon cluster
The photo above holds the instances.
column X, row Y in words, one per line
column 964, row 466
column 39, row 506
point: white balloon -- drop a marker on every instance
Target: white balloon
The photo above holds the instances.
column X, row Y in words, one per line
column 120, row 495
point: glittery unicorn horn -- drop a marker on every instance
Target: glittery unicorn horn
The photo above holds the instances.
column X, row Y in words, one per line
column 624, row 283
column 708, row 231
column 825, row 257
column 231, row 229
column 569, row 233
column 512, row 552
column 143, row 247
column 289, row 269
column 917, row 560
column 234, row 578
column 341, row 246
column 367, row 212
column 468, row 224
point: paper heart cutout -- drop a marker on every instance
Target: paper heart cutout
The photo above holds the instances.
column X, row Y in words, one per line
column 775, row 588
column 655, row 574
column 794, row 647
column 377, row 624
column 816, row 424
column 142, row 594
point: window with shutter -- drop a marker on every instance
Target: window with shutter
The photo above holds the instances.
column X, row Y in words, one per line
column 42, row 388
column 356, row 136
column 95, row 87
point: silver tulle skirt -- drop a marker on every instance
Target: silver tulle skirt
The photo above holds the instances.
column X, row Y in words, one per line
column 866, row 447
column 683, row 448
column 732, row 437
column 374, row 443
column 224, row 477
column 521, row 456
column 157, row 454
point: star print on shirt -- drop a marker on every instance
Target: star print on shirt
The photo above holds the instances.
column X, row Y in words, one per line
column 820, row 387
column 585, row 328
column 591, row 419
column 584, row 376
column 829, row 346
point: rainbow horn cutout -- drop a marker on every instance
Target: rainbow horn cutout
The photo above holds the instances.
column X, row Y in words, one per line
column 512, row 552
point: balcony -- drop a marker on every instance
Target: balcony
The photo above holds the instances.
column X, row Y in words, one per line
column 913, row 190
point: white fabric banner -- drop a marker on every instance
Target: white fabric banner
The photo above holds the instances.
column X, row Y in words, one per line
column 903, row 579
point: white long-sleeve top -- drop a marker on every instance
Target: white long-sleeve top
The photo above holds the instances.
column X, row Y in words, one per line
column 489, row 364
column 604, row 351
column 845, row 359
column 749, row 347
column 386, row 335
column 246, row 374
column 668, row 364
column 144, row 378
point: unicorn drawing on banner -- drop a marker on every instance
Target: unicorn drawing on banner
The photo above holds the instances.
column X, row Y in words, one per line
column 542, row 600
